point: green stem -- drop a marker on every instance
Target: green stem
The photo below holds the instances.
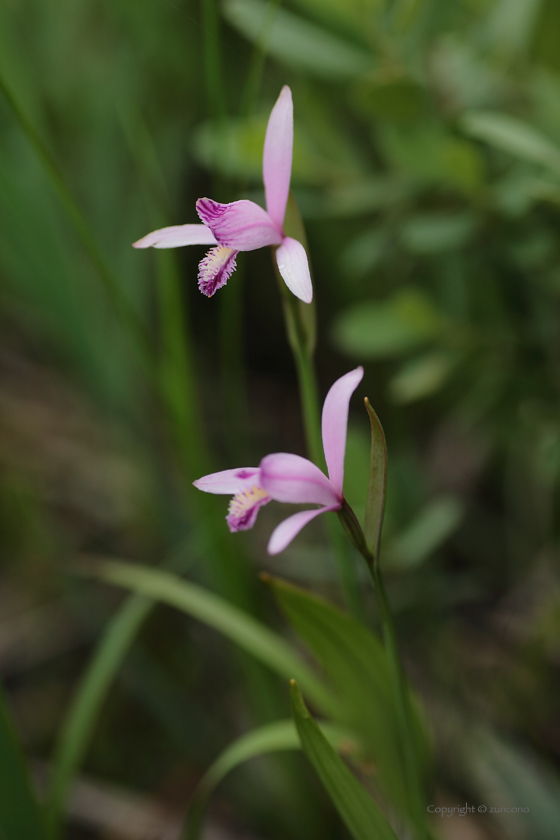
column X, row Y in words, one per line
column 300, row 327
column 251, row 90
column 232, row 374
column 212, row 62
column 402, row 703
column 402, row 700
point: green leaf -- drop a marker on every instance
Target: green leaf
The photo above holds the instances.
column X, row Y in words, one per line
column 501, row 771
column 80, row 720
column 355, row 662
column 357, row 809
column 434, row 233
column 434, row 524
column 375, row 329
column 377, row 487
column 421, row 377
column 272, row 737
column 232, row 622
column 19, row 815
column 298, row 43
column 512, row 135
column 511, row 26
column 357, row 17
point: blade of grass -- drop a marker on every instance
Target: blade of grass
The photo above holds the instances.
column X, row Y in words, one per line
column 79, row 724
column 359, row 812
column 110, row 282
column 241, row 628
column 272, row 737
column 19, row 815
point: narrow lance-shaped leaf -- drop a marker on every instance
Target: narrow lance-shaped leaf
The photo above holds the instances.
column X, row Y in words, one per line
column 355, row 663
column 375, row 504
column 232, row 622
column 19, row 815
column 359, row 812
column 272, row 737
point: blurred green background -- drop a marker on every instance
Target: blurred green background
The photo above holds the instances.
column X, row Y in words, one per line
column 427, row 171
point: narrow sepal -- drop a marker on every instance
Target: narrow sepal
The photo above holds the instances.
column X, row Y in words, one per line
column 277, row 156
column 177, row 236
column 334, row 424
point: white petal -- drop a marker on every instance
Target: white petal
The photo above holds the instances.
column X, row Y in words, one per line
column 294, row 268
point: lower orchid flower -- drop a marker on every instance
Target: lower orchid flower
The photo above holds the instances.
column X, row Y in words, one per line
column 291, row 478
column 244, row 225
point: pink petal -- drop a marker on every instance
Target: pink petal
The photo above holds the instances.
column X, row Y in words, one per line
column 277, row 156
column 241, row 225
column 335, row 422
column 290, row 478
column 284, row 533
column 229, row 482
column 176, row 236
column 215, row 269
column 294, row 268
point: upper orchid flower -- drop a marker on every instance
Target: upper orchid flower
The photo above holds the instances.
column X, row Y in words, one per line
column 243, row 225
column 291, row 478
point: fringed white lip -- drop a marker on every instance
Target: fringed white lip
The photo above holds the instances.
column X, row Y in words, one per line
column 215, row 269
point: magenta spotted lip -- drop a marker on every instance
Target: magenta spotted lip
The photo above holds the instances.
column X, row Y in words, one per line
column 290, row 478
column 244, row 225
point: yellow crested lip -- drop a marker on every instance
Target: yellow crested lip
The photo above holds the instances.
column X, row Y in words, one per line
column 244, row 507
column 245, row 500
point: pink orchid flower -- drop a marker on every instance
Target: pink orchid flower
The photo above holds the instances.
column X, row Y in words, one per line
column 243, row 225
column 291, row 478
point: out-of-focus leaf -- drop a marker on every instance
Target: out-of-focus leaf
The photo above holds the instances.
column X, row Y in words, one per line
column 512, row 777
column 237, row 149
column 297, row 42
column 512, row 135
column 399, row 99
column 272, row 737
column 218, row 613
column 391, row 327
column 377, row 487
column 365, row 196
column 357, row 17
column 469, row 78
column 511, row 26
column 364, row 253
column 421, row 377
column 515, row 193
column 432, row 526
column 436, row 232
column 19, row 815
column 356, row 467
column 355, row 662
column 359, row 812
column 427, row 153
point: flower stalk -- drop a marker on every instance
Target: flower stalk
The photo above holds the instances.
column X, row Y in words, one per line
column 356, row 536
